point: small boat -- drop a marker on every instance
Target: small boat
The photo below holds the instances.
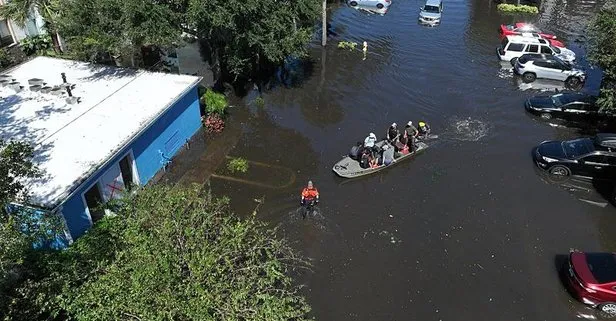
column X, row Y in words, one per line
column 349, row 168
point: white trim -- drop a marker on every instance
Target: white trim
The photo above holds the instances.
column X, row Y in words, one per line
column 135, row 171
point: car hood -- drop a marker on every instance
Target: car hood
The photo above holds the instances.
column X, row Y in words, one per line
column 552, row 149
column 566, row 54
column 429, row 15
column 541, row 102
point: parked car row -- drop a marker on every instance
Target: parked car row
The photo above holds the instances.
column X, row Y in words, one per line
column 533, row 54
column 429, row 14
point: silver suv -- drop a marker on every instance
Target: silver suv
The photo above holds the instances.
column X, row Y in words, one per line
column 533, row 66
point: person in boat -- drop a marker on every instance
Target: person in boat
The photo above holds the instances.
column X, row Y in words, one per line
column 424, row 128
column 309, row 194
column 356, row 151
column 411, row 134
column 388, row 154
column 364, row 161
column 370, row 144
column 393, row 133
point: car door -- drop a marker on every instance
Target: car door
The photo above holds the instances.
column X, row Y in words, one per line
column 610, row 171
column 593, row 166
column 574, row 111
column 557, row 71
column 531, row 49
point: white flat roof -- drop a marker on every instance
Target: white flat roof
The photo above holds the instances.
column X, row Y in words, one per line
column 73, row 140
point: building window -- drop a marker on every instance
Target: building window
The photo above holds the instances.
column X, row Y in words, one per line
column 126, row 169
column 5, row 34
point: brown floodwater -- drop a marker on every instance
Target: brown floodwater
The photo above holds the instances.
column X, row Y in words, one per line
column 469, row 230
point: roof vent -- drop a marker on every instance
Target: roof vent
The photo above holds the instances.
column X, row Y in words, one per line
column 35, row 82
column 35, row 88
column 15, row 85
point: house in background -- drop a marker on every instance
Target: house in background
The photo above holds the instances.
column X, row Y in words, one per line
column 11, row 33
column 98, row 131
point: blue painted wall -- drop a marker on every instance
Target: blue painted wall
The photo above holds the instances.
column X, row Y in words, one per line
column 167, row 135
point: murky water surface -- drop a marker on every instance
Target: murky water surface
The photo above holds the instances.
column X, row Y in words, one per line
column 469, row 230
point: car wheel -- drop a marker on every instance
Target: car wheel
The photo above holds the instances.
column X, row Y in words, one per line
column 380, row 6
column 546, row 116
column 529, row 77
column 573, row 82
column 608, row 308
column 513, row 61
column 353, row 3
column 559, row 170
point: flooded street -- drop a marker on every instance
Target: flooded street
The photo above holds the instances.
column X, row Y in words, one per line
column 468, row 230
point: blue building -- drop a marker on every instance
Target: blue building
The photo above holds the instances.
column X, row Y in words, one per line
column 98, row 130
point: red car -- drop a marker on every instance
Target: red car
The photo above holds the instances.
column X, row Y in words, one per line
column 527, row 29
column 592, row 279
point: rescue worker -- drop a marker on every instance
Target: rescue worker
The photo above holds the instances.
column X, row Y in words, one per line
column 309, row 194
column 356, row 151
column 388, row 154
column 424, row 128
column 393, row 133
column 410, row 132
column 370, row 144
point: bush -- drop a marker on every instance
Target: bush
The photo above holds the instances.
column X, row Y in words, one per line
column 238, row 165
column 215, row 103
column 512, row 8
column 259, row 102
column 213, row 124
column 36, row 44
column 347, row 45
column 5, row 58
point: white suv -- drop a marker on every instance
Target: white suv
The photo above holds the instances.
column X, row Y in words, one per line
column 513, row 47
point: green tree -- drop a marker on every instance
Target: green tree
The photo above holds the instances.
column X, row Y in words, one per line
column 20, row 11
column 120, row 28
column 168, row 254
column 602, row 52
column 244, row 34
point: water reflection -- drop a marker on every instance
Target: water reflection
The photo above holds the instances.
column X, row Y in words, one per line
column 370, row 9
column 594, row 192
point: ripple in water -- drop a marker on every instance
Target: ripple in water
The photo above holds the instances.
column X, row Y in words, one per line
column 293, row 223
column 468, row 129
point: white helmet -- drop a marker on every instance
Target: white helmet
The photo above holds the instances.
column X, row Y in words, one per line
column 372, row 135
column 410, row 123
column 394, row 125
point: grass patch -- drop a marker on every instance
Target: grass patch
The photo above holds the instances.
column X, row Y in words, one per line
column 238, row 165
column 347, row 45
column 215, row 103
column 512, row 8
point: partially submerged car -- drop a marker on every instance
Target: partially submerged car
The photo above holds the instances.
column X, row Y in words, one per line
column 591, row 278
column 522, row 27
column 512, row 47
column 533, row 66
column 569, row 106
column 379, row 4
column 588, row 157
column 430, row 13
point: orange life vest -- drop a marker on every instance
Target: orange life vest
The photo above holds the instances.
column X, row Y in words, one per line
column 310, row 193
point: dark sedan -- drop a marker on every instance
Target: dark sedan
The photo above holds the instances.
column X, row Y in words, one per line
column 569, row 106
column 590, row 157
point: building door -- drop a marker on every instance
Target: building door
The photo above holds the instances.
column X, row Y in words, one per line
column 126, row 169
column 6, row 38
column 94, row 201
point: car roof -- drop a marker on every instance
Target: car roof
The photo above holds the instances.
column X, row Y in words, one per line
column 606, row 140
column 526, row 39
column 577, row 97
column 434, row 2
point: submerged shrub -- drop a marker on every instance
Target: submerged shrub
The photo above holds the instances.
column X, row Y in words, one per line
column 215, row 103
column 347, row 45
column 213, row 124
column 512, row 8
column 238, row 165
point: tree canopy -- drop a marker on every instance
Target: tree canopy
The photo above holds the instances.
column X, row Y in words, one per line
column 602, row 51
column 168, row 254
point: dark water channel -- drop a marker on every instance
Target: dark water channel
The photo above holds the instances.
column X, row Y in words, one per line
column 466, row 231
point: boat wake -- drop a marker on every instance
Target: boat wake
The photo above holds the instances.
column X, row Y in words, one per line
column 468, row 129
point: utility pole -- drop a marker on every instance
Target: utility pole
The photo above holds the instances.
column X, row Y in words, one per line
column 324, row 18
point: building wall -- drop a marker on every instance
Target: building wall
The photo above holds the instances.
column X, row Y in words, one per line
column 167, row 135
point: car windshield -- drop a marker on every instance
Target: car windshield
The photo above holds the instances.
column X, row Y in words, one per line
column 560, row 100
column 578, row 147
column 602, row 266
column 431, row 9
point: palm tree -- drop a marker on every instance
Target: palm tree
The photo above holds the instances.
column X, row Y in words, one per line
column 20, row 12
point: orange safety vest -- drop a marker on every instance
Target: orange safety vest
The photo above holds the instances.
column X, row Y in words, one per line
column 310, row 193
